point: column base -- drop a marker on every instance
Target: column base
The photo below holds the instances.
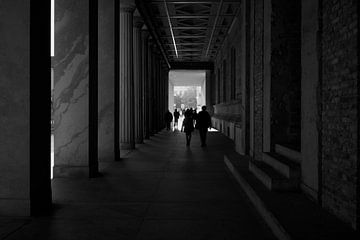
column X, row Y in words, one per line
column 127, row 146
column 71, row 171
column 139, row 141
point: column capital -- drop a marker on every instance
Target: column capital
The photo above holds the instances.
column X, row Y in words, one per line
column 145, row 34
column 138, row 22
column 127, row 6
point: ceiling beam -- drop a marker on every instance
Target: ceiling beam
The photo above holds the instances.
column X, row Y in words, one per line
column 213, row 30
column 185, row 36
column 194, row 2
column 188, row 50
column 192, row 65
column 193, row 16
column 196, row 28
column 184, row 44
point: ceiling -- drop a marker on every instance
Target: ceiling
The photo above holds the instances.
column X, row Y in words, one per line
column 187, row 78
column 190, row 30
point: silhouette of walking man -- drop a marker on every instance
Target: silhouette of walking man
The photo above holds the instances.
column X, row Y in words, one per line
column 168, row 119
column 203, row 122
column 176, row 117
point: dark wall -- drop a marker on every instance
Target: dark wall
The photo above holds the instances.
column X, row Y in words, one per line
column 340, row 107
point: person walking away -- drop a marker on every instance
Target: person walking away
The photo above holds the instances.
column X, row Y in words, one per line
column 176, row 117
column 203, row 122
column 188, row 126
column 194, row 115
column 168, row 119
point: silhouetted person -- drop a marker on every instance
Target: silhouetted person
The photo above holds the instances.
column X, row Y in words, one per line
column 176, row 118
column 194, row 113
column 188, row 126
column 203, row 122
column 168, row 119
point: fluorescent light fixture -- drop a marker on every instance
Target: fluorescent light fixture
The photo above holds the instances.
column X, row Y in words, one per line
column 171, row 29
column 52, row 31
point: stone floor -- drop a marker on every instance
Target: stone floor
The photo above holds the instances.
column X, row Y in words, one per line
column 162, row 190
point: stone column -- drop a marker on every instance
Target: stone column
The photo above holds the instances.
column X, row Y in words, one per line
column 153, row 92
column 24, row 109
column 126, row 81
column 71, row 90
column 138, row 23
column 106, row 83
column 150, row 94
column 171, row 97
column 145, row 79
column 167, row 89
column 158, row 118
column 208, row 102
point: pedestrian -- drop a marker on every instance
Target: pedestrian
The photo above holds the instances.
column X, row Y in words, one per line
column 168, row 119
column 188, row 126
column 176, row 118
column 194, row 113
column 203, row 122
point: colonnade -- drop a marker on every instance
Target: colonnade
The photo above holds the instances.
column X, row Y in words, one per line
column 110, row 92
column 132, row 99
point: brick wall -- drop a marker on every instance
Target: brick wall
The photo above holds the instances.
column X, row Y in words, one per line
column 340, row 104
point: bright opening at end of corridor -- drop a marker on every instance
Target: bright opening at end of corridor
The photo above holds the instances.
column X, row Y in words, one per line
column 187, row 90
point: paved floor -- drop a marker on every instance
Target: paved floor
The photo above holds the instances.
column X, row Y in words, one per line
column 163, row 190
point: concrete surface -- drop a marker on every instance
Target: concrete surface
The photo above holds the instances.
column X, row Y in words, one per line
column 162, row 190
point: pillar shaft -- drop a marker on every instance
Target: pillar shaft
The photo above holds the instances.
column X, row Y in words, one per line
column 150, row 88
column 25, row 186
column 145, row 79
column 72, row 90
column 138, row 79
column 106, row 114
column 126, row 81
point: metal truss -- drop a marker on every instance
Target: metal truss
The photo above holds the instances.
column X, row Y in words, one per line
column 192, row 31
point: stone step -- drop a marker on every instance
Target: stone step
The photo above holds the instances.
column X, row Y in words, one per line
column 284, row 212
column 291, row 154
column 282, row 165
column 271, row 178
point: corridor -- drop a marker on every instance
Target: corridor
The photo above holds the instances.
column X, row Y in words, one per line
column 163, row 190
column 279, row 79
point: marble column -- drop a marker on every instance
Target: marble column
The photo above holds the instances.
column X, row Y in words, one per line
column 137, row 48
column 145, row 79
column 106, row 54
column 126, row 81
column 71, row 89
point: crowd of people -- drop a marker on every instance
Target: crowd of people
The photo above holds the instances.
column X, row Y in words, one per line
column 192, row 120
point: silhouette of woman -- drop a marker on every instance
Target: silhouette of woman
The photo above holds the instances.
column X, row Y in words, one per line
column 188, row 126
